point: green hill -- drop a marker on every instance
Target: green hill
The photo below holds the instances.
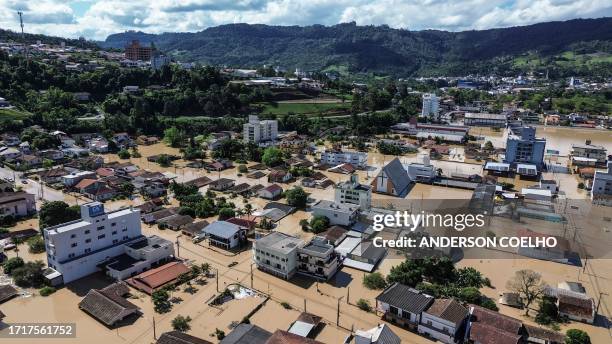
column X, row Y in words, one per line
column 381, row 49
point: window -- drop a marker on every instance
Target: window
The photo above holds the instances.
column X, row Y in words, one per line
column 114, row 233
column 74, row 244
column 87, row 231
column 113, row 224
column 102, row 236
column 72, row 236
column 87, row 250
column 100, row 228
column 115, row 241
column 71, row 255
column 124, row 230
column 125, row 237
column 87, row 241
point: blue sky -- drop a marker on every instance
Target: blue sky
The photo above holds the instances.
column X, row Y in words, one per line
column 95, row 19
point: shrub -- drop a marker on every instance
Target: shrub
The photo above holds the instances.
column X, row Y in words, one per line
column 123, row 154
column 46, row 291
column 181, row 323
column 220, row 334
column 36, row 244
column 286, row 305
column 242, row 169
column 374, row 281
column 364, row 305
column 12, row 263
column 575, row 336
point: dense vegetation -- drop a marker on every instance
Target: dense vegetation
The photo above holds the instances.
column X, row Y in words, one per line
column 380, row 49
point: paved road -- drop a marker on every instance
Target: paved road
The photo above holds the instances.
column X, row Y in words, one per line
column 34, row 187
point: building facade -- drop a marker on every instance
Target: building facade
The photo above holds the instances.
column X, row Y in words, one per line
column 260, row 131
column 601, row 191
column 318, row 259
column 135, row 52
column 77, row 249
column 276, row 254
column 337, row 157
column 431, row 103
column 17, row 204
column 352, row 192
column 522, row 146
column 590, row 151
column 338, row 214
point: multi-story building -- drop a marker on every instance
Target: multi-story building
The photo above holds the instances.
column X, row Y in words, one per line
column 318, row 259
column 338, row 157
column 260, row 131
column 17, row 204
column 590, row 151
column 485, row 120
column 602, row 185
column 76, row 249
column 135, row 52
column 338, row 214
column 522, row 146
column 276, row 253
column 431, row 103
column 352, row 192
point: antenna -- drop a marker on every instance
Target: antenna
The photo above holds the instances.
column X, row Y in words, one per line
column 25, row 49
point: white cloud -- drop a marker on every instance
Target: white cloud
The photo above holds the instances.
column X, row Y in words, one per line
column 104, row 17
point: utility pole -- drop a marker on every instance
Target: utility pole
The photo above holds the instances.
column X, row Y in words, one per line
column 599, row 301
column 217, row 276
column 154, row 335
column 338, row 312
column 251, row 275
column 304, row 304
column 348, row 294
column 178, row 247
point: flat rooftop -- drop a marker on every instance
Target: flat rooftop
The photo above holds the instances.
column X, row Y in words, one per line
column 280, row 242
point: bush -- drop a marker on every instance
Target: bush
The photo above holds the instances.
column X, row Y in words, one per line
column 374, row 281
column 46, row 291
column 123, row 154
column 364, row 305
column 36, row 244
column 242, row 169
column 286, row 305
column 575, row 336
column 296, row 197
column 29, row 275
column 220, row 334
column 319, row 224
column 181, row 323
column 11, row 264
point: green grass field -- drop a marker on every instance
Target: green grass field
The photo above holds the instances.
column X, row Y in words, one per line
column 306, row 108
column 13, row 114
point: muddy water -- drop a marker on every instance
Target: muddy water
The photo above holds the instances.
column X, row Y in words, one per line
column 557, row 138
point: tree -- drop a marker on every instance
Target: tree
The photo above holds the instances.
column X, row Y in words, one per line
column 528, row 284
column 36, row 244
column 575, row 336
column 272, row 156
column 242, row 169
column 304, row 224
column 181, row 323
column 127, row 189
column 407, row 272
column 296, row 197
column 55, row 213
column 547, row 312
column 161, row 301
column 319, row 224
column 173, row 137
column 123, row 154
column 470, row 277
column 11, row 264
column 226, row 213
column 374, row 281
column 29, row 275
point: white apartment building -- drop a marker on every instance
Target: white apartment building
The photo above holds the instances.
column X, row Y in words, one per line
column 431, row 103
column 601, row 191
column 76, row 249
column 318, row 259
column 259, row 131
column 352, row 192
column 74, row 178
column 338, row 157
column 338, row 214
column 276, row 254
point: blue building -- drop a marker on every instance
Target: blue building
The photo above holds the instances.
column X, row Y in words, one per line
column 522, row 147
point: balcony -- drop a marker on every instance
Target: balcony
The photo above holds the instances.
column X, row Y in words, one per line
column 401, row 321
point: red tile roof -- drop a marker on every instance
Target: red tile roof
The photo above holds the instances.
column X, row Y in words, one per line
column 153, row 279
column 85, row 183
column 284, row 337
